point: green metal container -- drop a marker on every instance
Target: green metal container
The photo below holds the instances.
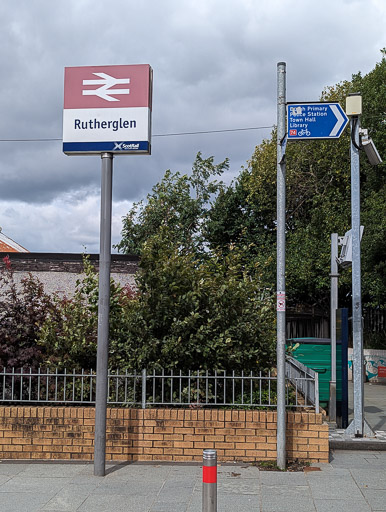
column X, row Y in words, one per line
column 316, row 354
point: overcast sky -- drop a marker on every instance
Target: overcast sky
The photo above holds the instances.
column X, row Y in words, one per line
column 214, row 64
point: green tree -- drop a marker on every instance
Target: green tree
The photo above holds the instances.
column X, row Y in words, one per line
column 180, row 202
column 196, row 308
column 318, row 204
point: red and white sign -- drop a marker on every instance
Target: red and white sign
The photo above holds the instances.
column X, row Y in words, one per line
column 107, row 109
column 280, row 301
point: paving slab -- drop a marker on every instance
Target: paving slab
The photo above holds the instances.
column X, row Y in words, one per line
column 286, row 498
column 122, row 488
column 376, row 499
column 239, row 487
column 66, row 500
column 341, row 505
column 52, row 470
column 369, row 478
column 24, row 501
column 21, row 484
column 226, row 503
column 4, row 478
column 103, row 503
column 333, row 487
column 166, row 506
column 10, row 468
column 282, row 478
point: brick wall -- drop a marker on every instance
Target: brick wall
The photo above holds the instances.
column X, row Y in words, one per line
column 158, row 434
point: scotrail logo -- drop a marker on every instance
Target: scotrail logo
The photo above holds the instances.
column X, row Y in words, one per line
column 105, row 92
column 122, row 146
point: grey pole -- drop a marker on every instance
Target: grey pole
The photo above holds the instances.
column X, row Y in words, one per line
column 143, row 405
column 103, row 316
column 358, row 427
column 281, row 294
column 356, row 282
column 333, row 307
column 209, row 481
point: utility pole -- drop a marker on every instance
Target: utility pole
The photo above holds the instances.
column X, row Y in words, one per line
column 280, row 293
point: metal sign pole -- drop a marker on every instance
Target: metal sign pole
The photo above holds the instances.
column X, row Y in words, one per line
column 358, row 426
column 103, row 316
column 356, row 281
column 333, row 307
column 281, row 298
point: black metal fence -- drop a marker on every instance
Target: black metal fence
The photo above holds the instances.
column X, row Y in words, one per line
column 154, row 389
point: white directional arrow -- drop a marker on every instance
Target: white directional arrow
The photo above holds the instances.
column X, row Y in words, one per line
column 107, row 82
column 339, row 120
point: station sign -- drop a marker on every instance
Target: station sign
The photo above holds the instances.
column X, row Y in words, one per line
column 107, row 109
column 315, row 121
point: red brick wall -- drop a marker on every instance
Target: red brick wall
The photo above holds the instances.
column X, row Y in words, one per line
column 158, row 434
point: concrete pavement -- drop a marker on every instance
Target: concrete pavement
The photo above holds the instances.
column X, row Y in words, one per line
column 375, row 415
column 374, row 405
column 351, row 482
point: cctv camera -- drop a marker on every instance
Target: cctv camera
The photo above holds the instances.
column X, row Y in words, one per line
column 370, row 149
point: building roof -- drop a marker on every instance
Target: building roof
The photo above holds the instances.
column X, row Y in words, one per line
column 9, row 245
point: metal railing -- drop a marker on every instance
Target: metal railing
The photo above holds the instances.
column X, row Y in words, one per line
column 192, row 389
column 304, row 380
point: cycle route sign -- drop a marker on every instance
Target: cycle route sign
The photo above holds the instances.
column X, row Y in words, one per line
column 107, row 109
column 315, row 121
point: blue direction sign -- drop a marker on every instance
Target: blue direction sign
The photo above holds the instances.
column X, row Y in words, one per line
column 315, row 121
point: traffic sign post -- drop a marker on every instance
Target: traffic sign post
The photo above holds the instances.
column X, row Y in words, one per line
column 315, row 121
column 107, row 111
column 321, row 120
column 280, row 267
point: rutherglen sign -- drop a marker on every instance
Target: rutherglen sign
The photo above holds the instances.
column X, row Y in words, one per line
column 107, row 109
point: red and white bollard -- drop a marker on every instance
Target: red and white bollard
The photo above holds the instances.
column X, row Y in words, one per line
column 209, row 481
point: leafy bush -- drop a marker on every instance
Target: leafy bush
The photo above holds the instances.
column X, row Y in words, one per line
column 190, row 314
column 23, row 310
column 69, row 333
column 187, row 315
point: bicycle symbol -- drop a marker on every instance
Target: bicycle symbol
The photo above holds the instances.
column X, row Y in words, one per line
column 305, row 132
